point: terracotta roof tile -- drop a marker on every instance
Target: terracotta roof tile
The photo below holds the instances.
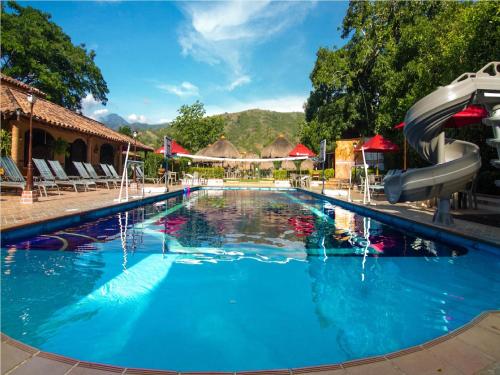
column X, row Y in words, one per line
column 55, row 115
column 22, row 85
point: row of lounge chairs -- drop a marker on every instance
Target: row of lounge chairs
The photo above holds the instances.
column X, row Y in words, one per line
column 55, row 176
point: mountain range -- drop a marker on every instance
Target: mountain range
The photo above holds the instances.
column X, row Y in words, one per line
column 249, row 130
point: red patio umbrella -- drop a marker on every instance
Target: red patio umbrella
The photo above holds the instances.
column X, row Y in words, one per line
column 471, row 115
column 301, row 150
column 176, row 149
column 378, row 144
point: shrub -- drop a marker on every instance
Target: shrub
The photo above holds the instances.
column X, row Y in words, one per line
column 280, row 174
column 5, row 142
column 152, row 163
column 208, row 172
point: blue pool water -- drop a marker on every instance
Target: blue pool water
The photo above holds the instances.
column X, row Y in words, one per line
column 238, row 280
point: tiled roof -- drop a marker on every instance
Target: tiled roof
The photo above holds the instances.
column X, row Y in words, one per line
column 54, row 115
column 22, row 85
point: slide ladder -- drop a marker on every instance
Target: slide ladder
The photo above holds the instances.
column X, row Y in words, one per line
column 455, row 162
column 494, row 122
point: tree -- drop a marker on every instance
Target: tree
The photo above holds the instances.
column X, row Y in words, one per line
column 396, row 53
column 192, row 129
column 36, row 51
column 125, row 130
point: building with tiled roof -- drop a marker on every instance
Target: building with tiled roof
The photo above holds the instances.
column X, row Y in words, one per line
column 88, row 139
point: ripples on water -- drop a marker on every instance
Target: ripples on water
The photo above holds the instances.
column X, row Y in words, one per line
column 232, row 280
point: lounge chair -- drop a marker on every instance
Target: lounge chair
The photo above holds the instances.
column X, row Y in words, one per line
column 113, row 171
column 140, row 175
column 109, row 174
column 85, row 176
column 96, row 177
column 15, row 179
column 374, row 186
column 305, row 181
column 61, row 180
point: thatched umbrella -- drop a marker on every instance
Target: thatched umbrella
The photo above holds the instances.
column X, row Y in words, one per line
column 288, row 165
column 248, row 155
column 279, row 148
column 202, row 153
column 307, row 164
column 223, row 149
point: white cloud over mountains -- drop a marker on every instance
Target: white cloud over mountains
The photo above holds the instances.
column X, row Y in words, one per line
column 185, row 89
column 137, row 118
column 224, row 32
column 92, row 108
column 291, row 103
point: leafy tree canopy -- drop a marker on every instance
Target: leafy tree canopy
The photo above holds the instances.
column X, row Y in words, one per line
column 36, row 51
column 192, row 129
column 396, row 53
column 125, row 130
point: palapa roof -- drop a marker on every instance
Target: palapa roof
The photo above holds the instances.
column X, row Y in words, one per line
column 13, row 96
column 222, row 149
column 248, row 155
column 279, row 148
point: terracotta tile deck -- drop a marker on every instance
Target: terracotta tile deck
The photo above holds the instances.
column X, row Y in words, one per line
column 475, row 349
column 13, row 213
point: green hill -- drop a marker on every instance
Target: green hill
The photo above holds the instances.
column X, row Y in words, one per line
column 249, row 130
column 254, row 129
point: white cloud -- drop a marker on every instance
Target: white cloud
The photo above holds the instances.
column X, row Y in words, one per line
column 222, row 32
column 291, row 103
column 100, row 112
column 137, row 118
column 243, row 80
column 92, row 108
column 183, row 90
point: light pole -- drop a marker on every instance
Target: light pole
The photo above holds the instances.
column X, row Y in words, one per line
column 29, row 196
column 135, row 134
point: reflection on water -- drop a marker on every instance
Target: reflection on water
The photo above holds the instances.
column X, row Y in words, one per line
column 289, row 224
column 235, row 268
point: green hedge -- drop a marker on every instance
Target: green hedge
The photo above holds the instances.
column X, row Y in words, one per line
column 152, row 163
column 215, row 172
column 280, row 174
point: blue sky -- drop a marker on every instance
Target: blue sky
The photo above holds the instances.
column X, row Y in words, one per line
column 232, row 56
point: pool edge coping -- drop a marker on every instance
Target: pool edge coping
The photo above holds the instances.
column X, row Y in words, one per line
column 61, row 359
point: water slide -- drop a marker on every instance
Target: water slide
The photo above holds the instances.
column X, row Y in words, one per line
column 455, row 163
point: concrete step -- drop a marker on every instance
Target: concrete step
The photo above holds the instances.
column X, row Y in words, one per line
column 488, row 201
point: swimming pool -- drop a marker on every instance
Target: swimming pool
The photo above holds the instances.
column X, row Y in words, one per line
column 238, row 280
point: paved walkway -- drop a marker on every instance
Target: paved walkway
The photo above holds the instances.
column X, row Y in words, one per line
column 13, row 213
column 473, row 349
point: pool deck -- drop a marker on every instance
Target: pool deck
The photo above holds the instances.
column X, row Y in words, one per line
column 15, row 214
column 472, row 349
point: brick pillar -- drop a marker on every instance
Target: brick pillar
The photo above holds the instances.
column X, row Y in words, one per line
column 89, row 150
column 14, row 151
column 120, row 159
